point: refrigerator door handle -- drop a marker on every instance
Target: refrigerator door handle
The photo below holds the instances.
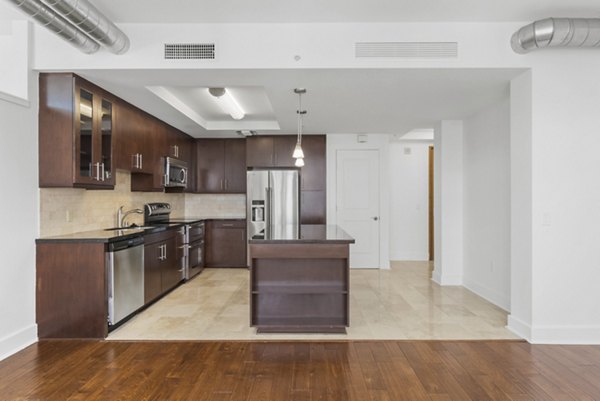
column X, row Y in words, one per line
column 268, row 211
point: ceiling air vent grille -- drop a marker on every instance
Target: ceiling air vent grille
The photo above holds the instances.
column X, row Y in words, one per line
column 189, row 51
column 407, row 49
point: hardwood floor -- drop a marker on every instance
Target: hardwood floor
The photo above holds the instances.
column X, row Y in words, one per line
column 273, row 371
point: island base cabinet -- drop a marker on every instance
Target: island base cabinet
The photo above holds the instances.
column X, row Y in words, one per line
column 301, row 288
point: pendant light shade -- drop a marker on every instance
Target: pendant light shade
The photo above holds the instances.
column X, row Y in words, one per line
column 298, row 152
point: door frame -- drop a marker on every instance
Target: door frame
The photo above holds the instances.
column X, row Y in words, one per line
column 378, row 142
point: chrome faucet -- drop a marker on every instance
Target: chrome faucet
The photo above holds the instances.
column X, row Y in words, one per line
column 121, row 215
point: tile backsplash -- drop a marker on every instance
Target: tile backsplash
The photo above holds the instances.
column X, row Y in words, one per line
column 69, row 210
column 215, row 205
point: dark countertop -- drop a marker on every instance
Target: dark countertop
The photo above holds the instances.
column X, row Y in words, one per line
column 107, row 236
column 305, row 234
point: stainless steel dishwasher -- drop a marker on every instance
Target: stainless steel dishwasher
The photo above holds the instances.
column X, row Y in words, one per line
column 125, row 272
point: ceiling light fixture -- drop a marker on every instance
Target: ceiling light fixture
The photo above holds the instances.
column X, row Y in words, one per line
column 227, row 103
column 298, row 152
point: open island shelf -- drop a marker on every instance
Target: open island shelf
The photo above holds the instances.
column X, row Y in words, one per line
column 299, row 280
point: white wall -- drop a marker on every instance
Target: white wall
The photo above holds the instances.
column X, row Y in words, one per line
column 14, row 44
column 486, row 203
column 378, row 142
column 19, row 201
column 409, row 204
column 566, row 198
column 521, row 314
column 448, row 203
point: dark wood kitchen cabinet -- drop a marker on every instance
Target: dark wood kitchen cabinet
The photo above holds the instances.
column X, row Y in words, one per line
column 71, row 296
column 162, row 264
column 225, row 243
column 76, row 127
column 134, row 152
column 220, row 166
column 270, row 151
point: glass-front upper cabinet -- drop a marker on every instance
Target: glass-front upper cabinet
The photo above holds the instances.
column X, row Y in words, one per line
column 77, row 128
column 86, row 133
column 94, row 138
column 106, row 129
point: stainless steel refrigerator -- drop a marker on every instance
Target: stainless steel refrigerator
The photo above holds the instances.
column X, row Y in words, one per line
column 273, row 203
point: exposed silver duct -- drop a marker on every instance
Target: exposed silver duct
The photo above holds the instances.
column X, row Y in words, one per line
column 78, row 22
column 48, row 18
column 86, row 17
column 557, row 32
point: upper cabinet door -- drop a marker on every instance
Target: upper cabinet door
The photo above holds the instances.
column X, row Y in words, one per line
column 235, row 165
column 259, row 151
column 314, row 174
column 84, row 163
column 75, row 133
column 105, row 135
column 283, row 149
column 93, row 137
column 210, row 166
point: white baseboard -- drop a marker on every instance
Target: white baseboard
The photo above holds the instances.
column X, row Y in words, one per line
column 582, row 334
column 18, row 340
column 418, row 257
column 519, row 327
column 445, row 279
column 489, row 294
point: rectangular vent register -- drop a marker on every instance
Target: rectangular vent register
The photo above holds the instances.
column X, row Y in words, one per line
column 426, row 50
column 189, row 51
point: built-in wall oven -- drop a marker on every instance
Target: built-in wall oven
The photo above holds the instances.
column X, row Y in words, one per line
column 195, row 249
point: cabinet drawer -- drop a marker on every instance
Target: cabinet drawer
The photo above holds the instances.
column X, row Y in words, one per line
column 229, row 224
column 159, row 237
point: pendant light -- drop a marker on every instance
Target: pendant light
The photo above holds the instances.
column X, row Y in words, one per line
column 298, row 152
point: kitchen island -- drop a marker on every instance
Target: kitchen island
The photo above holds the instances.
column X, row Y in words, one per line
column 299, row 280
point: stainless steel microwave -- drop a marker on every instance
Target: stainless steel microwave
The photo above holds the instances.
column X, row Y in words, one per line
column 176, row 173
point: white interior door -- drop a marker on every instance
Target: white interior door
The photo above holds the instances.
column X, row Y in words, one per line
column 357, row 209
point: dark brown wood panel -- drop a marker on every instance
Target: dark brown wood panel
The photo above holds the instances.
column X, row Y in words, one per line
column 225, row 243
column 210, row 165
column 311, row 370
column 304, row 251
column 56, row 111
column 235, row 165
column 171, row 273
column 283, row 149
column 259, row 151
column 152, row 272
column 71, row 290
column 313, row 207
column 314, row 172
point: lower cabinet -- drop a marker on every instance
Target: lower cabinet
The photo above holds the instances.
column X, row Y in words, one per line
column 163, row 264
column 225, row 243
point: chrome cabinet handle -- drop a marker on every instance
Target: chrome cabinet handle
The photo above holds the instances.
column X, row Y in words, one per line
column 103, row 174
column 141, row 161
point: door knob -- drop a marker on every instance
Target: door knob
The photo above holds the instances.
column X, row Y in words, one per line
column 375, row 218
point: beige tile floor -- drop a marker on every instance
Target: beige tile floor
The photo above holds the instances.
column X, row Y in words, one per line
column 400, row 303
